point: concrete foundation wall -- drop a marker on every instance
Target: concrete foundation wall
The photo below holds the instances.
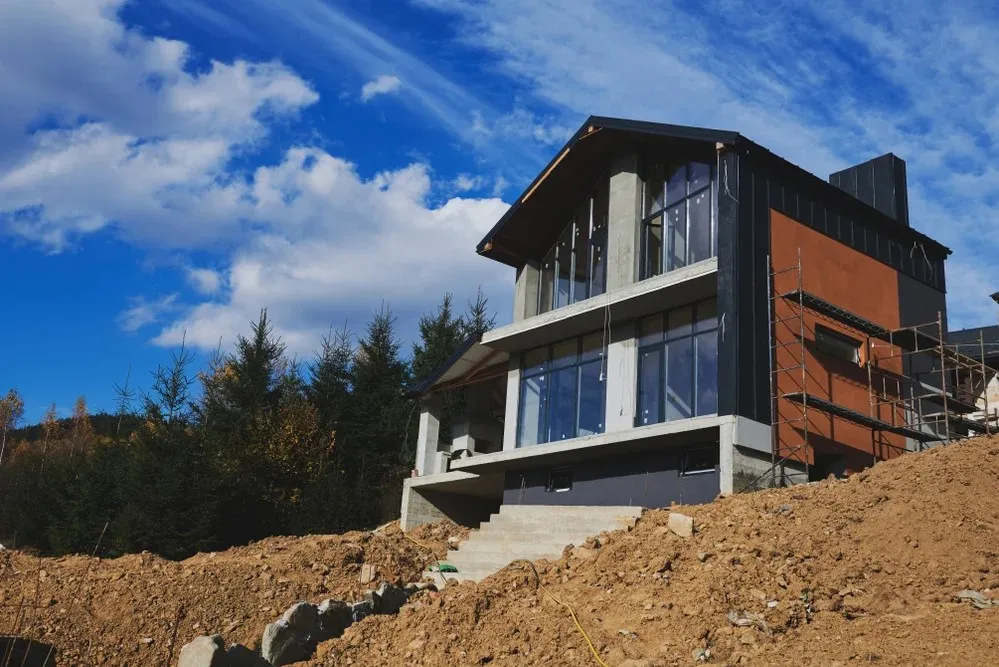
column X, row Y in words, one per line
column 420, row 506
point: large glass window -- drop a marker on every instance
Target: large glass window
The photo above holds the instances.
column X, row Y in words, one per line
column 576, row 266
column 562, row 391
column 678, row 216
column 678, row 364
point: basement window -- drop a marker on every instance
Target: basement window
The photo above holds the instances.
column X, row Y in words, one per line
column 837, row 344
column 699, row 461
column 560, row 480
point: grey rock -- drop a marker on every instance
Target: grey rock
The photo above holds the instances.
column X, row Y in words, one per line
column 303, row 618
column 334, row 617
column 282, row 645
column 203, row 652
column 361, row 609
column 390, row 599
column 977, row 600
column 240, row 656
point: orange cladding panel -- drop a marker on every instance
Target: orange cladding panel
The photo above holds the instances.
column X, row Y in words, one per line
column 855, row 282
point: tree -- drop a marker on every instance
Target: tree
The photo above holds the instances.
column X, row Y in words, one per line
column 11, row 412
column 330, row 380
column 478, row 320
column 81, row 433
column 440, row 335
column 379, row 415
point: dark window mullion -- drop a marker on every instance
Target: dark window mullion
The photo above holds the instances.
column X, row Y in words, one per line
column 663, row 381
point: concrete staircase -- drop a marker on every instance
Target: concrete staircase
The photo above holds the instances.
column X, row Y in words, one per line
column 532, row 532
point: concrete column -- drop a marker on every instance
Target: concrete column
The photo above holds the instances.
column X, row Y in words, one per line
column 428, row 436
column 512, row 404
column 726, row 458
column 525, row 296
column 623, row 240
column 622, row 378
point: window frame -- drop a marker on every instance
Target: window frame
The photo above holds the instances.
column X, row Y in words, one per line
column 834, row 343
column 549, row 366
column 661, row 347
column 600, row 193
column 553, row 476
column 646, row 220
column 685, row 455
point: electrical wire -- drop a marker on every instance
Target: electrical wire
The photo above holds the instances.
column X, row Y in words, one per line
column 572, row 613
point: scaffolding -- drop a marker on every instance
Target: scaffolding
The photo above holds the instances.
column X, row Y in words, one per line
column 789, row 455
column 920, row 387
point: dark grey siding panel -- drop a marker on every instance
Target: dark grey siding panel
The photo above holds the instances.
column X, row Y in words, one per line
column 650, row 479
column 728, row 269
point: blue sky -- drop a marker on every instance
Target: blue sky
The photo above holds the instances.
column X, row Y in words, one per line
column 168, row 168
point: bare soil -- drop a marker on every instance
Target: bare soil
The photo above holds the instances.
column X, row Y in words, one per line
column 862, row 570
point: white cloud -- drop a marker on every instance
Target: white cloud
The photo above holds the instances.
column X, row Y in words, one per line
column 151, row 157
column 824, row 84
column 143, row 312
column 204, row 281
column 381, row 85
column 344, row 242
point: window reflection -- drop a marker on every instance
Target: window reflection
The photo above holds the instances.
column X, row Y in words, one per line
column 681, row 197
column 678, row 364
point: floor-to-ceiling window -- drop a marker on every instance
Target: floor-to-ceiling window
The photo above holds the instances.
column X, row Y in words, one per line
column 678, row 364
column 562, row 391
column 678, row 215
column 576, row 267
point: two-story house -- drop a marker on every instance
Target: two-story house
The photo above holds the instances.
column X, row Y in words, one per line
column 693, row 315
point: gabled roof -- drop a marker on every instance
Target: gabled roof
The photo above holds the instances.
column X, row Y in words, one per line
column 528, row 228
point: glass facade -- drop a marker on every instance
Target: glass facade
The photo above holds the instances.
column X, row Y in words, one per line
column 562, row 391
column 678, row 364
column 576, row 267
column 679, row 220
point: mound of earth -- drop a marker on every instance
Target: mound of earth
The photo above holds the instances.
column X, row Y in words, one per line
column 862, row 570
column 837, row 572
column 140, row 609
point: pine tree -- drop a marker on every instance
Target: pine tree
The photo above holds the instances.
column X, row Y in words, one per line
column 379, row 415
column 440, row 335
column 329, row 380
column 478, row 320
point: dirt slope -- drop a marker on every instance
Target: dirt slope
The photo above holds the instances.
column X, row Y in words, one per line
column 125, row 610
column 841, row 572
column 861, row 570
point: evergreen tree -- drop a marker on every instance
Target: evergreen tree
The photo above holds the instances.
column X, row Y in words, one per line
column 329, row 380
column 440, row 335
column 11, row 412
column 478, row 320
column 378, row 423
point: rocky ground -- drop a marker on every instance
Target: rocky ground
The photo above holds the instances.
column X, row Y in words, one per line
column 864, row 570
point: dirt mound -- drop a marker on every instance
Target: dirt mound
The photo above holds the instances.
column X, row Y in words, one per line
column 132, row 610
column 863, row 569
column 837, row 572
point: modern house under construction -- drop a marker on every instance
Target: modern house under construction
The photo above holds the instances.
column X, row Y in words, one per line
column 694, row 315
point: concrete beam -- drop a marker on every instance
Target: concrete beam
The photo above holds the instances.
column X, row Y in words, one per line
column 621, row 377
column 428, row 436
column 512, row 404
column 623, row 241
column 525, row 295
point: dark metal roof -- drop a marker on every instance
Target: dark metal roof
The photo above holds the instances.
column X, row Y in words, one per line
column 529, row 227
column 423, row 385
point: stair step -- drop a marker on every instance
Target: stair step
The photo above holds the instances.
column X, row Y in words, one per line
column 558, row 522
column 502, row 545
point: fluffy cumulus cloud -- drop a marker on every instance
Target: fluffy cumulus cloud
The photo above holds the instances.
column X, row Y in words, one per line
column 115, row 130
column 375, row 239
column 382, row 85
column 109, row 127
